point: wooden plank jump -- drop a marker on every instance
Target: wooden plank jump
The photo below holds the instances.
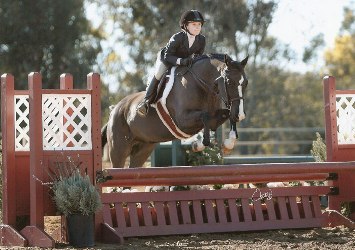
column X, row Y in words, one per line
column 208, row 211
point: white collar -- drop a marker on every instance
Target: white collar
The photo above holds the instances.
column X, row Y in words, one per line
column 191, row 39
column 190, row 36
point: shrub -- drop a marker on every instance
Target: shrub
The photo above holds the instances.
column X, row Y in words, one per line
column 76, row 195
column 209, row 156
column 73, row 192
column 319, row 150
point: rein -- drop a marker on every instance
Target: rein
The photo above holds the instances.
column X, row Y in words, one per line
column 226, row 100
column 203, row 84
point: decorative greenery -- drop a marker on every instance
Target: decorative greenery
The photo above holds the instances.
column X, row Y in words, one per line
column 319, row 150
column 209, row 156
column 180, row 188
column 212, row 155
column 73, row 192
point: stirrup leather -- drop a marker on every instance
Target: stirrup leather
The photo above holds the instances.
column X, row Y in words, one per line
column 143, row 108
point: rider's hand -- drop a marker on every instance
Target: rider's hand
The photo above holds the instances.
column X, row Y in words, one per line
column 186, row 61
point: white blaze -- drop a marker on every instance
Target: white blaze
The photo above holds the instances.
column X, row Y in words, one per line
column 241, row 104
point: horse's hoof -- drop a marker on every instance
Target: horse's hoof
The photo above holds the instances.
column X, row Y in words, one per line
column 229, row 143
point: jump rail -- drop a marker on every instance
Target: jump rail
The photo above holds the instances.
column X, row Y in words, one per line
column 201, row 211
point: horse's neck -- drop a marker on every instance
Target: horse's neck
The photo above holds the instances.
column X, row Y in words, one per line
column 208, row 70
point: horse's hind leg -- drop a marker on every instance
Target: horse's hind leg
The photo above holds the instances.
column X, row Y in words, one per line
column 140, row 153
column 118, row 154
column 119, row 148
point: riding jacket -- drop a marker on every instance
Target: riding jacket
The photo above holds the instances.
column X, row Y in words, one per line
column 178, row 47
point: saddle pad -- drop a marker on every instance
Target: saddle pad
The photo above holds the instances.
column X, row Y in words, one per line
column 163, row 111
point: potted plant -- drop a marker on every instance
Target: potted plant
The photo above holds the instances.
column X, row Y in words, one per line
column 77, row 198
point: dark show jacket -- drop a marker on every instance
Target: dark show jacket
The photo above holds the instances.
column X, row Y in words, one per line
column 178, row 47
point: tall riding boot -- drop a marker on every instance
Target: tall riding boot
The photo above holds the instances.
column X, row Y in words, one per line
column 143, row 106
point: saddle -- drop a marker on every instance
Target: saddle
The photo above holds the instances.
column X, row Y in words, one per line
column 162, row 84
column 164, row 88
column 165, row 78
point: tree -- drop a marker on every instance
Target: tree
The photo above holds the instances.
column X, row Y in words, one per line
column 340, row 60
column 48, row 36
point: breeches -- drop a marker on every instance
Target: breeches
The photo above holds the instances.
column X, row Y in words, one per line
column 160, row 67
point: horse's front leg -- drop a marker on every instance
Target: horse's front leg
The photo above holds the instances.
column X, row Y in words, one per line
column 212, row 122
column 206, row 129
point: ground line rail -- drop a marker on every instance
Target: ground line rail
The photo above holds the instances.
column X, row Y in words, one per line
column 231, row 170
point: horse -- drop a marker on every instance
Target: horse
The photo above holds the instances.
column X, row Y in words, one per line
column 194, row 103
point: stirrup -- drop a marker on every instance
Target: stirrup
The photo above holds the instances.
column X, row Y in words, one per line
column 142, row 108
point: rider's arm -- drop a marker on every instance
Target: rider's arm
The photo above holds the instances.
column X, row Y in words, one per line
column 171, row 48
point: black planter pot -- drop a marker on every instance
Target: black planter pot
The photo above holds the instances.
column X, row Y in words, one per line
column 81, row 230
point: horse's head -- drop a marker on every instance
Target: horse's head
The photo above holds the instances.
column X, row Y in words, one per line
column 235, row 82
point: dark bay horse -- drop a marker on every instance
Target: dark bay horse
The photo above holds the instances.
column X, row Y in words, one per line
column 194, row 103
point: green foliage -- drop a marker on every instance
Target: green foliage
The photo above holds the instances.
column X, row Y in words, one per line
column 48, row 36
column 209, row 156
column 340, row 59
column 76, row 195
column 212, row 155
column 217, row 186
column 74, row 192
column 310, row 52
column 319, row 150
column 181, row 188
column 276, row 98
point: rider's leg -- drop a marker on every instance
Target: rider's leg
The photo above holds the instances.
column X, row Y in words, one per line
column 160, row 69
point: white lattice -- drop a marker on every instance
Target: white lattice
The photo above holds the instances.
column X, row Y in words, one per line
column 66, row 122
column 346, row 118
column 22, row 123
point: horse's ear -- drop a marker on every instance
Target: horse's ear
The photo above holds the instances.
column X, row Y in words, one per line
column 244, row 62
column 227, row 59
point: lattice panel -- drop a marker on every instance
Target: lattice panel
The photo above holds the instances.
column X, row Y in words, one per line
column 22, row 139
column 345, row 106
column 66, row 122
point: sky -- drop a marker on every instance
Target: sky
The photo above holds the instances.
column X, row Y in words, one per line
column 297, row 21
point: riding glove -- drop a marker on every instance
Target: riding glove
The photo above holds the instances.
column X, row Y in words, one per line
column 186, row 61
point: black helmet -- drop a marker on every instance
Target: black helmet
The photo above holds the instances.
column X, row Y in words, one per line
column 191, row 16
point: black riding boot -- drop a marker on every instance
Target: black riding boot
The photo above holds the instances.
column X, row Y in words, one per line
column 143, row 106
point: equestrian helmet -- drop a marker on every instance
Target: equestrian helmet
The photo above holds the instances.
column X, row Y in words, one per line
column 191, row 16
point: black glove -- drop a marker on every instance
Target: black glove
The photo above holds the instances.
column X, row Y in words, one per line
column 186, row 61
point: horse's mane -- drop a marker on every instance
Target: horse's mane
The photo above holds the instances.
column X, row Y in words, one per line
column 219, row 57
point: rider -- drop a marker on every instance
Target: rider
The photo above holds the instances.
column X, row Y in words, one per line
column 177, row 52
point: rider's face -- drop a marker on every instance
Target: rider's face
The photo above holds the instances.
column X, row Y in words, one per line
column 194, row 28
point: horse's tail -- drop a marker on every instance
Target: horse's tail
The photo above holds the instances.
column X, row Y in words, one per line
column 104, row 136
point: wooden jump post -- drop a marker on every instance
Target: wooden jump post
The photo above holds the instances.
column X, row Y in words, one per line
column 39, row 130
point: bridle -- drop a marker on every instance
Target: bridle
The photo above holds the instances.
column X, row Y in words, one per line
column 227, row 81
column 227, row 100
